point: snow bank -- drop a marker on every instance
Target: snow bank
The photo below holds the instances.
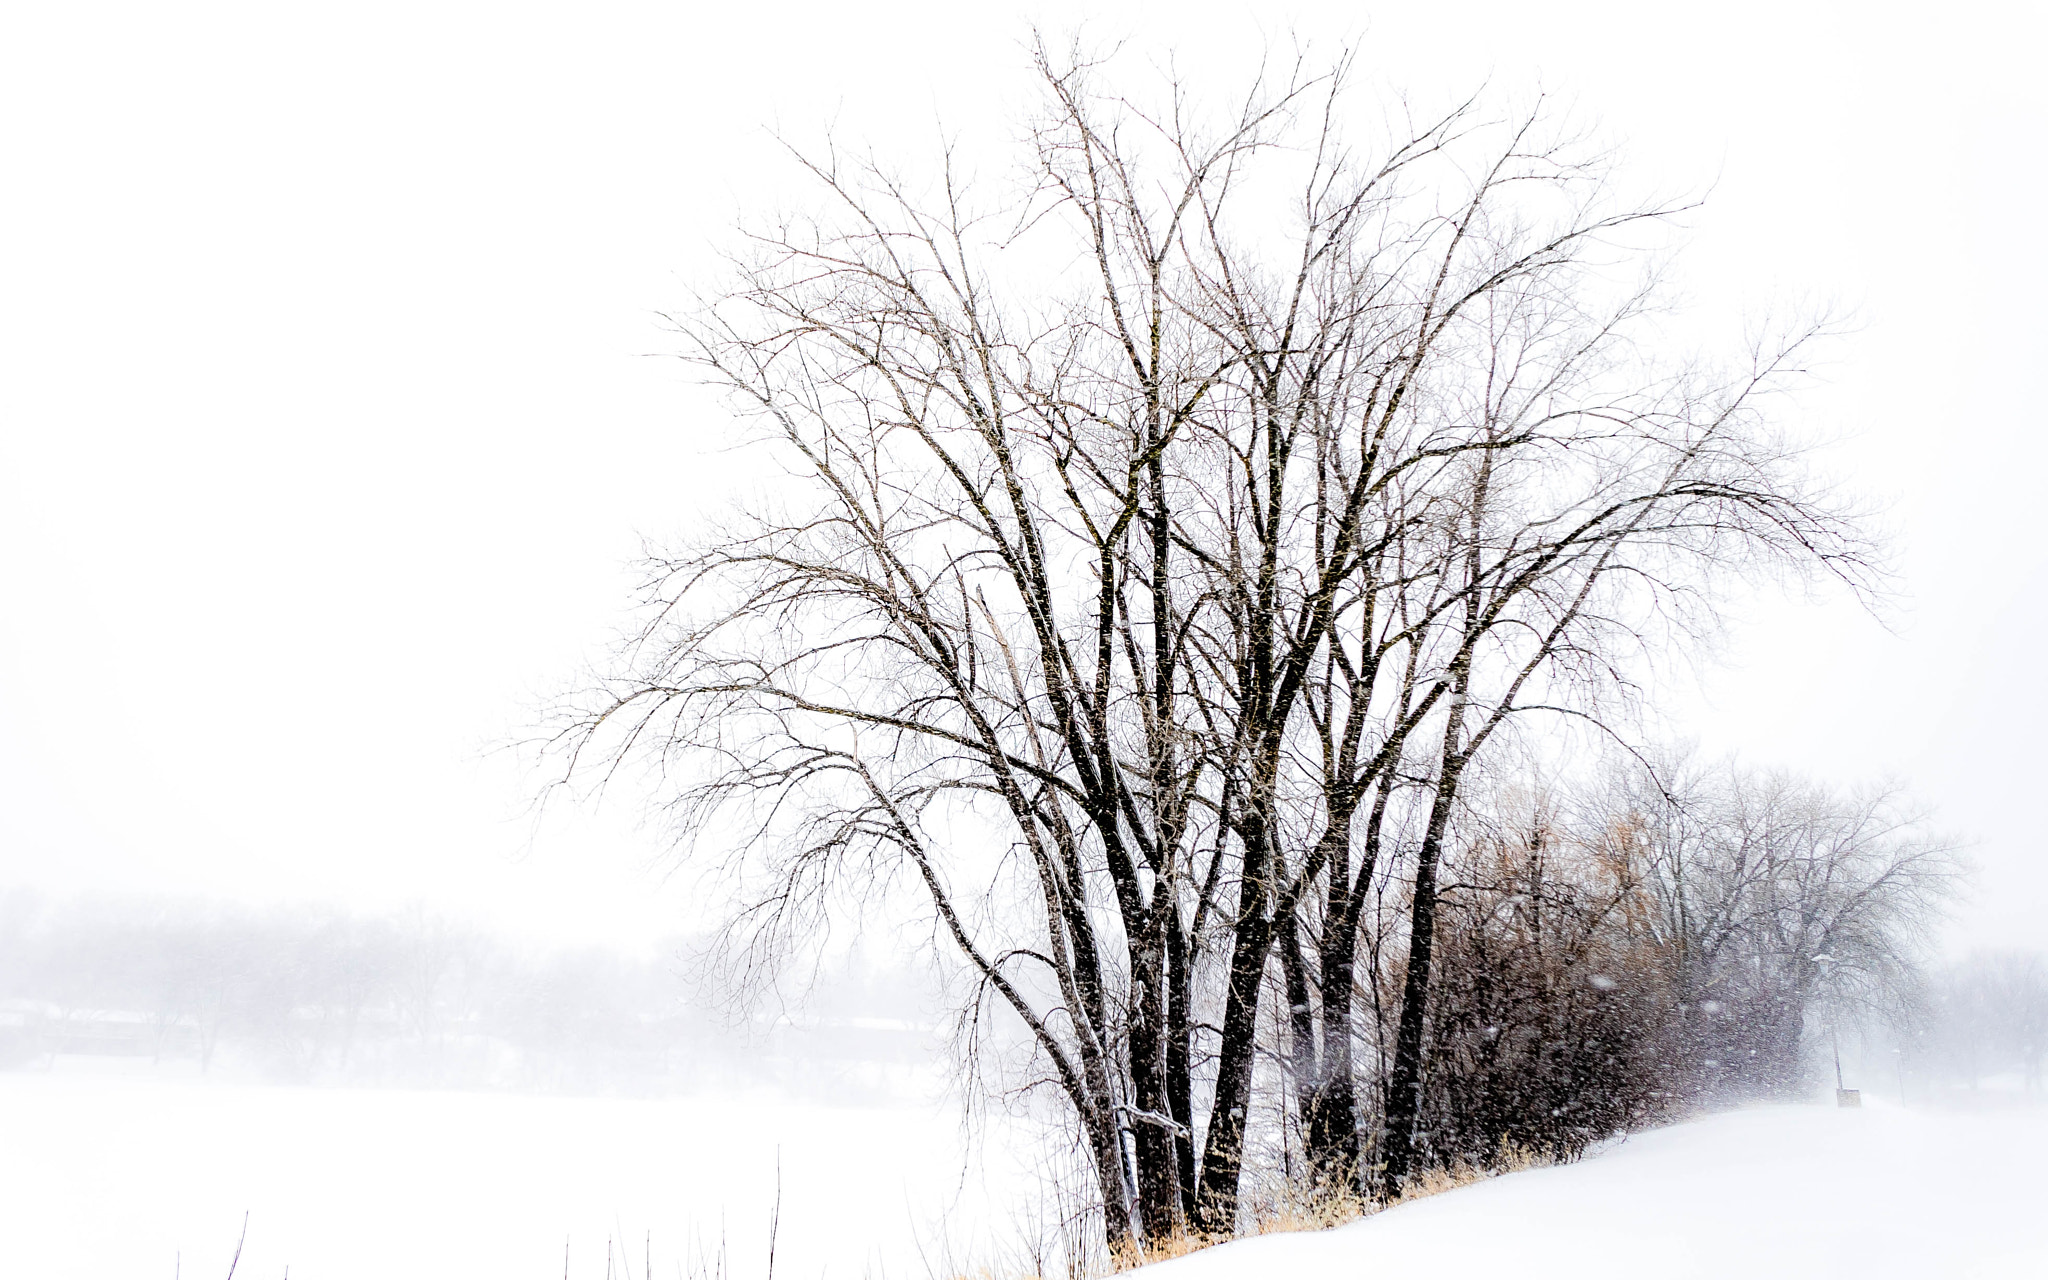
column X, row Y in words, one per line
column 1777, row 1191
column 143, row 1178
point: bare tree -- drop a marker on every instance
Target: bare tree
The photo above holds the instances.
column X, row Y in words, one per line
column 1772, row 894
column 1611, row 948
column 1152, row 533
column 1991, row 1011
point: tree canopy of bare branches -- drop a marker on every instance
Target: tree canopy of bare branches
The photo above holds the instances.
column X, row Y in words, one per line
column 1166, row 534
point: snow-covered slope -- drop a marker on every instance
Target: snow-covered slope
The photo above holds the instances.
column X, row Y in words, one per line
column 149, row 1178
column 1804, row 1192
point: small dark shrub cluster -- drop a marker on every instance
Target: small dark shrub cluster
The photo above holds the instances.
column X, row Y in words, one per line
column 1636, row 948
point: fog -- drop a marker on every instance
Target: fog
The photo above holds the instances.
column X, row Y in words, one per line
column 336, row 403
column 329, row 436
column 303, row 995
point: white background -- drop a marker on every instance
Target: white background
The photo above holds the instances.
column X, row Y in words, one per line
column 327, row 432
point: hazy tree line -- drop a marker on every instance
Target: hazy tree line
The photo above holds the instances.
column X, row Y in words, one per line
column 412, row 998
column 1646, row 946
column 1978, row 1023
column 1208, row 572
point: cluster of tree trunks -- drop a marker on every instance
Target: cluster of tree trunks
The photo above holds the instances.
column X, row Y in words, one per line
column 1165, row 548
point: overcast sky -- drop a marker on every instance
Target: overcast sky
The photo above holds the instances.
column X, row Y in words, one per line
column 327, row 427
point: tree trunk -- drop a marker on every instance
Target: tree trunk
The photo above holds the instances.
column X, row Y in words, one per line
column 1335, row 1158
column 1180, row 1093
column 1105, row 1141
column 1223, row 1147
column 1311, row 1073
column 1158, row 1187
column 1333, row 1114
column 1404, row 1088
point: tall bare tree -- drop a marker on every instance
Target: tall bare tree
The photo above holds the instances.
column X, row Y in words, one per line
column 1772, row 893
column 1154, row 530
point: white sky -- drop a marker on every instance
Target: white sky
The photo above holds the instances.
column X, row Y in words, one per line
column 325, row 434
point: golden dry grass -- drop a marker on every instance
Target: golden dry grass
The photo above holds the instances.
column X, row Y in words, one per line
column 1512, row 1158
column 1300, row 1207
column 1292, row 1207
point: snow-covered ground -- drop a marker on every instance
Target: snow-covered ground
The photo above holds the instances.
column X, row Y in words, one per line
column 142, row 1178
column 149, row 1177
column 1809, row 1192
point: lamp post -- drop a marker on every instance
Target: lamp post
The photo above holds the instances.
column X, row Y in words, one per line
column 1843, row 1097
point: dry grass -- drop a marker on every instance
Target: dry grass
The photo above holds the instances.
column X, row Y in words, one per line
column 1512, row 1158
column 1298, row 1207
column 1302, row 1207
column 1290, row 1207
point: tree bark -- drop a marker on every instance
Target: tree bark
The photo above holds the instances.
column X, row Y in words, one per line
column 1223, row 1146
column 1405, row 1085
column 1304, row 1056
column 1158, row 1187
column 1180, row 1095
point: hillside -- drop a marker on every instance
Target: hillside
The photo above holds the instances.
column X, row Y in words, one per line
column 1771, row 1191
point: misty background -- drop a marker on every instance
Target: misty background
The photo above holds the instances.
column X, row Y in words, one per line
column 335, row 404
column 333, row 412
column 330, row 422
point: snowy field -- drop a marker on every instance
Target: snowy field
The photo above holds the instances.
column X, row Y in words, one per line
column 1810, row 1192
column 141, row 1178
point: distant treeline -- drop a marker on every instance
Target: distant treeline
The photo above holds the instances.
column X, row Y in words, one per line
column 409, row 999
column 1982, row 1021
column 1612, row 952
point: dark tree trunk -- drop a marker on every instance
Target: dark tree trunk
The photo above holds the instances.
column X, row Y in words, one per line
column 1335, row 1158
column 1105, row 1141
column 1333, row 1115
column 1404, row 1086
column 1151, row 1129
column 1223, row 1147
column 1303, row 1057
column 1180, row 1094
